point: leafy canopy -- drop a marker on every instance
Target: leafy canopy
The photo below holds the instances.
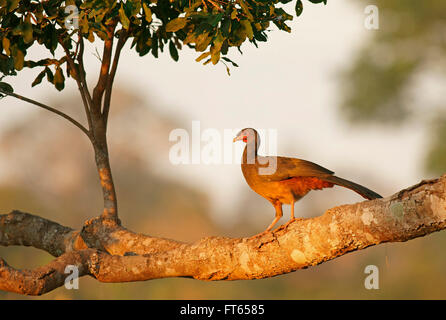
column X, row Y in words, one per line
column 210, row 27
column 379, row 85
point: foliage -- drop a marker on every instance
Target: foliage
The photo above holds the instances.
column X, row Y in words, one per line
column 436, row 156
column 410, row 40
column 211, row 27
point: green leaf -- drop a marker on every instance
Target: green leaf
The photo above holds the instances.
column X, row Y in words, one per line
column 299, row 7
column 176, row 24
column 154, row 46
column 226, row 27
column 38, row 78
column 246, row 10
column 59, row 79
column 6, row 87
column 215, row 55
column 83, row 24
column 260, row 36
column 230, row 61
column 234, row 13
column 124, row 20
column 7, row 65
column 147, row 12
column 19, row 59
column 202, row 42
column 132, row 7
column 218, row 41
column 11, row 4
column 216, row 48
column 202, row 56
column 247, row 28
column 90, row 36
column 25, row 30
column 49, row 75
column 28, row 30
column 173, row 50
column 215, row 19
column 6, row 43
column 50, row 37
column 225, row 47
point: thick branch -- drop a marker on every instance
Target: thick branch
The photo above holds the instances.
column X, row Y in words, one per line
column 44, row 279
column 102, row 266
column 19, row 228
column 117, row 240
column 411, row 213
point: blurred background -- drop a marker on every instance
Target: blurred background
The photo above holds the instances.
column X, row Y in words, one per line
column 368, row 104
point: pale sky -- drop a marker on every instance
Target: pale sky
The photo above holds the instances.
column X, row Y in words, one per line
column 289, row 84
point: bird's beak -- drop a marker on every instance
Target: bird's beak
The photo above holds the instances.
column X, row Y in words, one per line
column 236, row 139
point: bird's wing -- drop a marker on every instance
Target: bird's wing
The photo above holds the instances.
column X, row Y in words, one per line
column 290, row 167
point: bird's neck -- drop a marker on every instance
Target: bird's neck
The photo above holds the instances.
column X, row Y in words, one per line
column 250, row 152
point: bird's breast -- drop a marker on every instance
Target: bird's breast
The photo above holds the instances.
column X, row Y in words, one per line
column 267, row 188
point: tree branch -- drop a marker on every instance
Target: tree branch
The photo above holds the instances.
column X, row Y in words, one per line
column 43, row 279
column 98, row 91
column 123, row 36
column 411, row 213
column 67, row 117
column 80, row 59
column 20, row 228
column 82, row 89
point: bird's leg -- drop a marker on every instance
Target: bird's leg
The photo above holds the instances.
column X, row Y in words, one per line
column 279, row 214
column 278, row 206
column 292, row 215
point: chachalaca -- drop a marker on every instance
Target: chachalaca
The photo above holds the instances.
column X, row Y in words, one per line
column 286, row 180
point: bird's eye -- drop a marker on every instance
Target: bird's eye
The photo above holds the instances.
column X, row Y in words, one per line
column 245, row 138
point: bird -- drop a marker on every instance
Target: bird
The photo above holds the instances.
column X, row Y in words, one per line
column 283, row 180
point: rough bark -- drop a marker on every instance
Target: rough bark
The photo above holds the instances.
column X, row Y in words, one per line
column 105, row 177
column 116, row 254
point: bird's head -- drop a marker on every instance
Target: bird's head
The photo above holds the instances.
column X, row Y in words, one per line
column 247, row 135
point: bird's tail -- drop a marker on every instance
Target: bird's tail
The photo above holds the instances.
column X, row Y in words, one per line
column 363, row 191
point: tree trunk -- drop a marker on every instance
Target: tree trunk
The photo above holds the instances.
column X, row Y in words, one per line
column 108, row 187
column 102, row 159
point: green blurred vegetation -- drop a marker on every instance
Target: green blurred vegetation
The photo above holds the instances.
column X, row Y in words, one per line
column 379, row 85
